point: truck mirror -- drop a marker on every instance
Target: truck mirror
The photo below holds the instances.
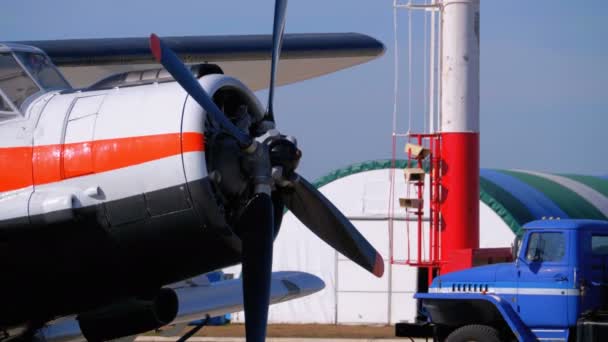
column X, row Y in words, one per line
column 515, row 246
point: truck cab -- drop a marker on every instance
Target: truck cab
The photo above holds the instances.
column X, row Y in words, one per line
column 556, row 282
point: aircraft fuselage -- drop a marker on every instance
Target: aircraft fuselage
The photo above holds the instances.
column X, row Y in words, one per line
column 106, row 194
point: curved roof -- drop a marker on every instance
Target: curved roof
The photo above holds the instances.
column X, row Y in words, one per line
column 520, row 196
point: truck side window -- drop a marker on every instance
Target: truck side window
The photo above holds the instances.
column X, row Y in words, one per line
column 546, row 247
column 599, row 244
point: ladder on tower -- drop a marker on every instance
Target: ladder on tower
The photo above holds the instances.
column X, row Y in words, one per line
column 424, row 156
column 422, row 201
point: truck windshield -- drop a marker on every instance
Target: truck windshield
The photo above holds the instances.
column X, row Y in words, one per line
column 41, row 68
column 14, row 81
column 546, row 247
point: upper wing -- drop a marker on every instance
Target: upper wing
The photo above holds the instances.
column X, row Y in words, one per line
column 198, row 298
column 304, row 56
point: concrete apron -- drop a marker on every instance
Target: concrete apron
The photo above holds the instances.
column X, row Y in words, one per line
column 272, row 339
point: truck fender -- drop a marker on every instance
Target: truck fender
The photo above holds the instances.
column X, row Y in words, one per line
column 519, row 329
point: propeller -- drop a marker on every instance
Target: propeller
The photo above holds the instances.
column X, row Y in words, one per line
column 256, row 223
column 184, row 77
column 280, row 7
column 257, row 242
column 317, row 213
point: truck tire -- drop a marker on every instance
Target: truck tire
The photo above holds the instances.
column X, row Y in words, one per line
column 474, row 333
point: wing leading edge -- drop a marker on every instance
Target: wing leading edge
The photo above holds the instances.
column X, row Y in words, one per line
column 304, row 55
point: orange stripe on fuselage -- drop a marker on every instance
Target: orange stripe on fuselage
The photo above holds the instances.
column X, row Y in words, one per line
column 15, row 168
column 25, row 166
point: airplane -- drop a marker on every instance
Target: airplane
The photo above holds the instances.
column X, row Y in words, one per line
column 114, row 193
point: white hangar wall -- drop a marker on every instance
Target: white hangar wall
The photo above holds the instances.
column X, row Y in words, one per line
column 352, row 295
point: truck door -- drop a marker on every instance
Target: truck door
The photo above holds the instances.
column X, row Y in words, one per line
column 543, row 279
column 594, row 275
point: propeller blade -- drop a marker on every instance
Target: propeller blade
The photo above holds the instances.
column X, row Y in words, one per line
column 169, row 60
column 280, row 7
column 256, row 229
column 317, row 213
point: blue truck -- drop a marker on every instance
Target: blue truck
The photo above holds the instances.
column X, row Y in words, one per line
column 555, row 290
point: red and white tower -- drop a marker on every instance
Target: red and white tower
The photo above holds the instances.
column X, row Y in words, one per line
column 459, row 132
column 447, row 231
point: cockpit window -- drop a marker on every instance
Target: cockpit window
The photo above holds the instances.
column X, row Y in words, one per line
column 41, row 68
column 5, row 107
column 14, row 81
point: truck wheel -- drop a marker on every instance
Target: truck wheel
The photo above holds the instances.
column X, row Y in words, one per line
column 474, row 333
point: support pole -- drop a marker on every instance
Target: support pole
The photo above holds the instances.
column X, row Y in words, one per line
column 460, row 132
column 432, row 66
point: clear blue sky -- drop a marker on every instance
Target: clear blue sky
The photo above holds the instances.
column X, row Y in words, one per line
column 544, row 72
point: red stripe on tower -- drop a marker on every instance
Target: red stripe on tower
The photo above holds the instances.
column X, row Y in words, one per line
column 460, row 199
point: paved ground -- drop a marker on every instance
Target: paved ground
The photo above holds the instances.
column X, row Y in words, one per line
column 289, row 333
column 270, row 339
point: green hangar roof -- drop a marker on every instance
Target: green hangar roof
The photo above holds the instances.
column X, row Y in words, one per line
column 520, row 196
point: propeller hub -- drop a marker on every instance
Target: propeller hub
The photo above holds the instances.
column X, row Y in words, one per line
column 284, row 153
